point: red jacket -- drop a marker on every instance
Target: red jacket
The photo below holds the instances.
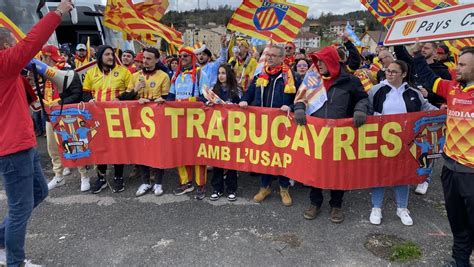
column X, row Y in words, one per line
column 16, row 125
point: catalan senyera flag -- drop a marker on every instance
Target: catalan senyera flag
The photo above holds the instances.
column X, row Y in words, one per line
column 262, row 19
column 455, row 46
column 418, row 6
column 5, row 22
column 123, row 16
column 152, row 8
column 386, row 10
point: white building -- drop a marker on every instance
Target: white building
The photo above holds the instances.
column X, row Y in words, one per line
column 209, row 34
column 307, row 40
column 370, row 39
column 338, row 27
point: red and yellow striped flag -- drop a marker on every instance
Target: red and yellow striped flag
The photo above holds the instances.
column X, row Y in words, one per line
column 152, row 8
column 455, row 46
column 5, row 22
column 122, row 15
column 386, row 10
column 262, row 19
column 418, row 6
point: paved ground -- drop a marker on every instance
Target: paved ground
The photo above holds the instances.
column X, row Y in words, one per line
column 81, row 229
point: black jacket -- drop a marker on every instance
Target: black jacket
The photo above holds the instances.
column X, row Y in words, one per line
column 353, row 60
column 414, row 100
column 72, row 94
column 273, row 96
column 345, row 96
column 437, row 67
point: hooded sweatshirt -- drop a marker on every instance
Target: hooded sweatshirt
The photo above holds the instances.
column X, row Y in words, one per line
column 344, row 91
column 105, row 86
column 330, row 57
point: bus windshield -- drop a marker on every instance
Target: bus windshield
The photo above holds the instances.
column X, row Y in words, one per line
column 21, row 12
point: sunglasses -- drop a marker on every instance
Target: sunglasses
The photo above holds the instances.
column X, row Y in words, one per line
column 288, row 48
column 302, row 65
column 184, row 56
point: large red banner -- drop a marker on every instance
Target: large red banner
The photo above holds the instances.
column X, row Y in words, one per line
column 387, row 150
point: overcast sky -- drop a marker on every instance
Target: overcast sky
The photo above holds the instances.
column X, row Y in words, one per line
column 315, row 6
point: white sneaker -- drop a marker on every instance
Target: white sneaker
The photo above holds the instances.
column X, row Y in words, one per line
column 85, row 184
column 292, row 182
column 66, row 171
column 422, row 188
column 143, row 189
column 158, row 189
column 55, row 182
column 404, row 215
column 376, row 216
column 28, row 263
column 3, row 257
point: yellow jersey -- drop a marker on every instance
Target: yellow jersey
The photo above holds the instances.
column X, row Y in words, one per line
column 157, row 84
column 80, row 63
column 244, row 70
column 107, row 86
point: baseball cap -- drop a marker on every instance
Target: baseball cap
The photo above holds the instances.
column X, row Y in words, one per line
column 139, row 57
column 81, row 46
column 442, row 49
column 53, row 52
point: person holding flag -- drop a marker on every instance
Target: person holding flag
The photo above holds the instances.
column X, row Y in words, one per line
column 345, row 98
column 20, row 167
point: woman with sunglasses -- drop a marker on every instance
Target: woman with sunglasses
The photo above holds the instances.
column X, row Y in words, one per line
column 395, row 96
column 300, row 68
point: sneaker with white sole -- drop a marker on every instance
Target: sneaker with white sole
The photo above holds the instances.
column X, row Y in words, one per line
column 28, row 263
column 3, row 257
column 376, row 216
column 158, row 190
column 404, row 215
column 422, row 188
column 55, row 182
column 215, row 195
column 85, row 184
column 66, row 171
column 143, row 189
column 232, row 196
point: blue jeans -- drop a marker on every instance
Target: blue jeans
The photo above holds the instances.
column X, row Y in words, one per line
column 401, row 196
column 268, row 179
column 39, row 120
column 25, row 187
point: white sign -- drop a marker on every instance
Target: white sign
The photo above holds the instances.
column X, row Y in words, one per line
column 82, row 70
column 447, row 23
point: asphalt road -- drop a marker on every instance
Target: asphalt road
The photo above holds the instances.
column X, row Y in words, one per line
column 81, row 229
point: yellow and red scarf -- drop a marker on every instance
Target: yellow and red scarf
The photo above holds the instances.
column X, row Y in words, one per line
column 264, row 77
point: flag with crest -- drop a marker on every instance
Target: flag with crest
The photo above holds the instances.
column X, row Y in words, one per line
column 262, row 19
column 386, row 10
